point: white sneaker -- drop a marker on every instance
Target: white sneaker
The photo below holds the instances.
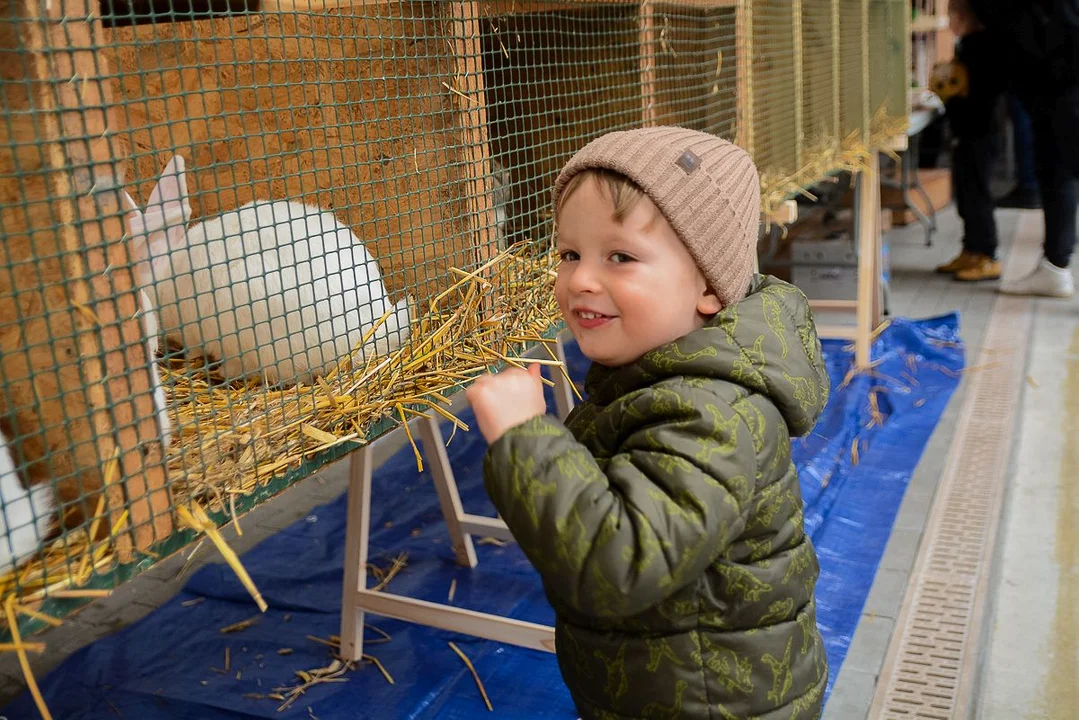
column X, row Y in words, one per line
column 1047, row 280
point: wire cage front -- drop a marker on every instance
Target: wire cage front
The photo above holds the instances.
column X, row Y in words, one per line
column 277, row 233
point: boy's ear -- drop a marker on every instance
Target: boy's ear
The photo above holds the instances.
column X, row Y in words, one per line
column 708, row 303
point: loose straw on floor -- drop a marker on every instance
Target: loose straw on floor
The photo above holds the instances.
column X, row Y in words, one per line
column 198, row 520
column 24, row 663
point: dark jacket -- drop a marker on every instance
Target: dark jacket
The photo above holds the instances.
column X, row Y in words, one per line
column 974, row 115
column 1039, row 40
column 667, row 522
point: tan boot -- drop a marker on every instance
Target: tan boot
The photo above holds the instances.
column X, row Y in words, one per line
column 982, row 267
column 961, row 261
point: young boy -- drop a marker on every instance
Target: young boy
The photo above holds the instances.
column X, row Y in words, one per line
column 665, row 517
column 973, row 119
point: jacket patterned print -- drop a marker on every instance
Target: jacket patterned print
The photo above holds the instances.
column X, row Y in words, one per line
column 665, row 518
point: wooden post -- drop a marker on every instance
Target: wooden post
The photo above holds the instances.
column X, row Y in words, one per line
column 799, row 84
column 446, row 486
column 75, row 96
column 837, row 84
column 357, row 530
column 468, row 81
column 563, row 393
column 743, row 33
column 868, row 230
column 867, row 116
column 646, row 41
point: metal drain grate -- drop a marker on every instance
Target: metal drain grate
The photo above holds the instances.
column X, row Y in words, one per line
column 929, row 671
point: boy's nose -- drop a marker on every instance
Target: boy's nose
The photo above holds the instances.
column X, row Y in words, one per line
column 584, row 279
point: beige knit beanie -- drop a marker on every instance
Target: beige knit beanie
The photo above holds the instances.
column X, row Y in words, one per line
column 706, row 187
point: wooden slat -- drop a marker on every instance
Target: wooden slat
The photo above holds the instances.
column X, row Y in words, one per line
column 837, row 68
column 743, row 33
column 468, row 81
column 833, row 305
column 646, row 46
column 446, row 486
column 492, row 8
column 77, row 99
column 786, row 213
column 491, row 627
column 838, row 332
column 357, row 531
column 868, row 257
column 485, row 526
column 867, row 112
column 798, row 58
column 564, row 397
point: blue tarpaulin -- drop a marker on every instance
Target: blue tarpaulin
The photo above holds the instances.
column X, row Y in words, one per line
column 855, row 467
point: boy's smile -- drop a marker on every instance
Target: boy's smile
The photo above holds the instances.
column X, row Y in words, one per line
column 625, row 287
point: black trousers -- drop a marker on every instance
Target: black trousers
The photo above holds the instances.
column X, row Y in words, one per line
column 973, row 158
column 1056, row 156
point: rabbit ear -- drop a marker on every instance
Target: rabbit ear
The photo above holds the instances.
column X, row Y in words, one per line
column 136, row 223
column 127, row 203
column 168, row 208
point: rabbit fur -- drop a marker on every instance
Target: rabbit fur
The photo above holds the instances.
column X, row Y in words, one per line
column 152, row 329
column 25, row 515
column 501, row 194
column 274, row 289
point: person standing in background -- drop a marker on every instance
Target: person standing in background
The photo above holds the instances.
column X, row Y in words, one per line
column 972, row 115
column 1040, row 39
column 1026, row 195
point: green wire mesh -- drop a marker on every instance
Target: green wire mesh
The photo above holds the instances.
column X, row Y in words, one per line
column 853, row 70
column 889, row 58
column 431, row 131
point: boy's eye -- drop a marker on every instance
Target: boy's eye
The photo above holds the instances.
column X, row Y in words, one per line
column 568, row 256
column 621, row 258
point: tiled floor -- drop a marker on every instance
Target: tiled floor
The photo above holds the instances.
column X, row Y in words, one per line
column 916, row 292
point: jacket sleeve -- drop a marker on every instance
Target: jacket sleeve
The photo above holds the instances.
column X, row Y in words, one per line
column 613, row 541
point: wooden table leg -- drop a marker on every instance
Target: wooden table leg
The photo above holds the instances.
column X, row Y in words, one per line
column 358, row 527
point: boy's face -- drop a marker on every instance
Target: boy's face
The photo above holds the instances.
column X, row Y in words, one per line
column 627, row 287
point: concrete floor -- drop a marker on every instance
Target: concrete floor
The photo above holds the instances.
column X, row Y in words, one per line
column 1029, row 669
column 1027, row 665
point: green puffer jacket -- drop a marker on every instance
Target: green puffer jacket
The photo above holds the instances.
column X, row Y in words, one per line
column 666, row 521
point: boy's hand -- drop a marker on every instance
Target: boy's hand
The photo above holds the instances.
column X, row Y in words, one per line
column 504, row 401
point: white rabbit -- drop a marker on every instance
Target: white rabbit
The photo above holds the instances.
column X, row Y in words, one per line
column 151, row 328
column 277, row 289
column 25, row 515
column 501, row 194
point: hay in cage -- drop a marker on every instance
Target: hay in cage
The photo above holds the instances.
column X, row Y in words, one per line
column 824, row 156
column 233, row 439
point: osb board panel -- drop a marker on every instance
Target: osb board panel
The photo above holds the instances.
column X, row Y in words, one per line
column 696, row 70
column 554, row 82
column 44, row 412
column 350, row 111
